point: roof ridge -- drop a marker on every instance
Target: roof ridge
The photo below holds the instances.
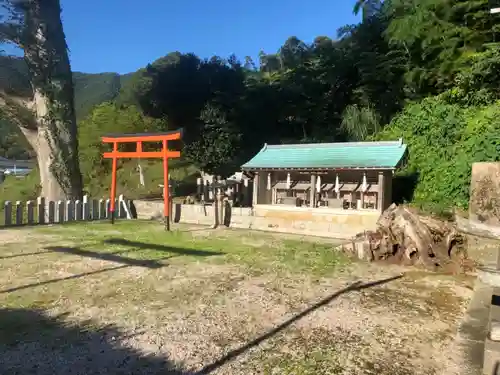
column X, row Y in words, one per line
column 335, row 144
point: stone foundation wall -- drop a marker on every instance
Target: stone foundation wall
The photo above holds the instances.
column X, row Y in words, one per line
column 314, row 222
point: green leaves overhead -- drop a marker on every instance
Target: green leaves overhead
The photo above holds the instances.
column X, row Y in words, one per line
column 105, row 119
column 438, row 36
column 360, row 122
column 444, row 140
column 424, row 70
column 216, row 148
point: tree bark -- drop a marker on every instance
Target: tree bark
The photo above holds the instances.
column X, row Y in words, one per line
column 406, row 236
column 56, row 144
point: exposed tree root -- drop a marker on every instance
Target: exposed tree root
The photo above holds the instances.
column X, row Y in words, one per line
column 407, row 237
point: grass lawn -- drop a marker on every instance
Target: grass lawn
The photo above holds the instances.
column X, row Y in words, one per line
column 132, row 299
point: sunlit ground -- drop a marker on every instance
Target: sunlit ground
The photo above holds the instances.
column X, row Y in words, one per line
column 133, row 299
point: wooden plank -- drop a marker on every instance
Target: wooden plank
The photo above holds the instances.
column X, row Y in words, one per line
column 144, row 154
column 30, row 207
column 40, row 202
column 61, row 212
column 70, row 211
column 52, row 212
column 116, row 209
column 78, row 210
column 126, row 209
column 171, row 136
column 8, row 213
column 120, row 207
column 85, row 208
column 19, row 213
column 108, row 207
column 95, row 209
column 102, row 209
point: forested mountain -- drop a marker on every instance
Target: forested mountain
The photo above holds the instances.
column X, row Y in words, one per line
column 90, row 90
column 424, row 70
column 94, row 89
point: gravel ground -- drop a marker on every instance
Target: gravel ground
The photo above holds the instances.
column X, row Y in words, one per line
column 267, row 305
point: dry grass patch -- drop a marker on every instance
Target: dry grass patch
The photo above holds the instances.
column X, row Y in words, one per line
column 154, row 299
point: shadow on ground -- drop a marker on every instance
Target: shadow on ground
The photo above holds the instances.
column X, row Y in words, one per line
column 170, row 249
column 113, row 257
column 110, row 257
column 51, row 281
column 34, row 343
column 357, row 286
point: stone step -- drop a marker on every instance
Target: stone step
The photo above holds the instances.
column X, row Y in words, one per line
column 473, row 330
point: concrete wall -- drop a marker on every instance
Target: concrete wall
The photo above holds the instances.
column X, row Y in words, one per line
column 298, row 220
column 484, row 206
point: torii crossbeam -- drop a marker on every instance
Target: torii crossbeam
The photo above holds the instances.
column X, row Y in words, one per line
column 139, row 138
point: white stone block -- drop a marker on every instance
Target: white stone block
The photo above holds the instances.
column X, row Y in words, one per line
column 495, row 330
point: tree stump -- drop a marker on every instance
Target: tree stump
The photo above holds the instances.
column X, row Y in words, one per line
column 407, row 237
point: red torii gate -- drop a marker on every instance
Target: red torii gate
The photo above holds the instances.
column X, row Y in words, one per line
column 139, row 138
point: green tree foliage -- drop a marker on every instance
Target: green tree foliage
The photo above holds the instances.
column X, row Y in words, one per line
column 444, row 140
column 369, row 8
column 14, row 75
column 108, row 118
column 94, row 89
column 178, row 86
column 438, row 36
column 478, row 83
column 346, row 89
column 13, row 144
column 90, row 90
column 360, row 122
column 424, row 70
column 215, row 150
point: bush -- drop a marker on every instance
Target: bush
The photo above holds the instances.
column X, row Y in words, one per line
column 444, row 139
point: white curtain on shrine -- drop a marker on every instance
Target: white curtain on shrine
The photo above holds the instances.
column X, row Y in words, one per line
column 141, row 175
column 337, row 184
column 364, row 185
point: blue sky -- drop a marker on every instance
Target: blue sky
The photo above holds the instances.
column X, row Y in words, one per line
column 124, row 35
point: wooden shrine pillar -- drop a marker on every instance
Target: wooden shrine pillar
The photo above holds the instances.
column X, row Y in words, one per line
column 381, row 191
column 384, row 198
column 312, row 191
column 255, row 192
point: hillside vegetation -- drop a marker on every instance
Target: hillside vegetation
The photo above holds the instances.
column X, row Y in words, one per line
column 427, row 71
column 90, row 90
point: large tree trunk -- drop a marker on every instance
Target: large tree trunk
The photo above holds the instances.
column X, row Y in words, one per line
column 56, row 143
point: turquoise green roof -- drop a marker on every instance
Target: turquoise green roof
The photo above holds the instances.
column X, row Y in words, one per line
column 369, row 155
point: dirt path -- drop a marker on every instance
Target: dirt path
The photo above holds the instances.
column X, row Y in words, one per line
column 65, row 311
